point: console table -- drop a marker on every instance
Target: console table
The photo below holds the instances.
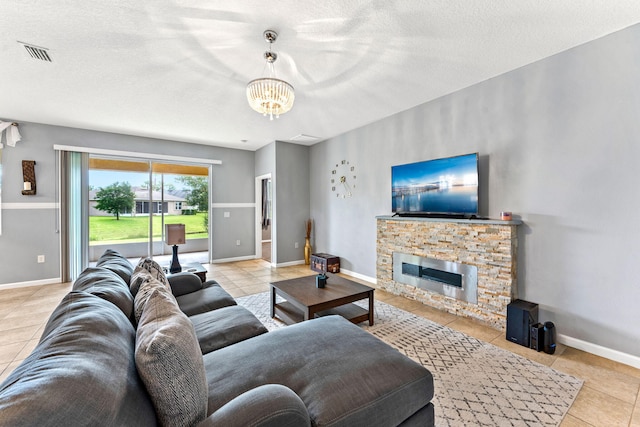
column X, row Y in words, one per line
column 191, row 267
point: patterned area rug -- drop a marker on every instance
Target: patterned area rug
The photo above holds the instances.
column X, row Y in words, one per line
column 476, row 383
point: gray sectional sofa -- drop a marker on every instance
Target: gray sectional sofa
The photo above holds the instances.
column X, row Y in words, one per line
column 127, row 348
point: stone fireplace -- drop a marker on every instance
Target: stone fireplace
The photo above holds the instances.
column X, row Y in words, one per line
column 465, row 267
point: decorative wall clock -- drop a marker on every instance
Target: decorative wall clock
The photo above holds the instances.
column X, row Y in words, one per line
column 343, row 179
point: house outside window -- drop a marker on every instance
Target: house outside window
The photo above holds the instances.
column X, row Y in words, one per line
column 178, row 206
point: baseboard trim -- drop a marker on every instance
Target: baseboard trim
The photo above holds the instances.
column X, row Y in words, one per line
column 240, row 258
column 598, row 350
column 232, row 205
column 16, row 285
column 359, row 276
column 289, row 264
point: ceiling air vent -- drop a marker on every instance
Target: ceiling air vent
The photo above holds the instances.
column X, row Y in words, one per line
column 304, row 138
column 37, row 52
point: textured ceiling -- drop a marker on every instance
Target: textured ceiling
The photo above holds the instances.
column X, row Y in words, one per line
column 178, row 69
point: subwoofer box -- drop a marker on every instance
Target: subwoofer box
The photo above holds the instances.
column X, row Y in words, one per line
column 521, row 315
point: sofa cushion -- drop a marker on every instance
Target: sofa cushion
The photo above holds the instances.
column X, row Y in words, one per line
column 210, row 297
column 343, row 374
column 168, row 358
column 81, row 373
column 115, row 262
column 107, row 285
column 424, row 417
column 225, row 326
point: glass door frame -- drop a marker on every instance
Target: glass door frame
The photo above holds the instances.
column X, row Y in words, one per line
column 75, row 250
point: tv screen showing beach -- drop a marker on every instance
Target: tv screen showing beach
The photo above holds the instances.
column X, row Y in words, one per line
column 448, row 186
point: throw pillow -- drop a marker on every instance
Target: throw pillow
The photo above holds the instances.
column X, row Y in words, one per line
column 155, row 270
column 169, row 360
column 147, row 284
column 139, row 276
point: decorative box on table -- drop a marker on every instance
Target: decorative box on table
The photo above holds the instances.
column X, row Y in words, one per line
column 325, row 263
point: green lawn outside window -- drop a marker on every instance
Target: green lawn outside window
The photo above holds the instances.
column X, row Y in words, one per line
column 106, row 229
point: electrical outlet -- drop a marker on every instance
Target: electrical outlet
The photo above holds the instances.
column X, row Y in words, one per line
column 296, row 245
column 40, row 259
column 227, row 214
column 237, row 242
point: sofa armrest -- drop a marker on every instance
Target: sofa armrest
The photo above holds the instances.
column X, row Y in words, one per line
column 270, row 405
column 184, row 283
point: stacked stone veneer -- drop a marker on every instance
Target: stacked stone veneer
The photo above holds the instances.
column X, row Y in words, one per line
column 489, row 245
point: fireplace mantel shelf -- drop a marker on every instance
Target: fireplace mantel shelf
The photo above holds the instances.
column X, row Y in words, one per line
column 462, row 221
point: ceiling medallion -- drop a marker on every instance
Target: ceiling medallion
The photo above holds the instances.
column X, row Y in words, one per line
column 268, row 95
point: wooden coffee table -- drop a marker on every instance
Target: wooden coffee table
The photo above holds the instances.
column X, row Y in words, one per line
column 304, row 301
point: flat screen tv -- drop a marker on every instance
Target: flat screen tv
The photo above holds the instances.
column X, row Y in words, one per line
column 439, row 187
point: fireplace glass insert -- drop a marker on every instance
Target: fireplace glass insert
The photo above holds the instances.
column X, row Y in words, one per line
column 452, row 279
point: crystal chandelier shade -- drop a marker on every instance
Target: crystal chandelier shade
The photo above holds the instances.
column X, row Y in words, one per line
column 268, row 95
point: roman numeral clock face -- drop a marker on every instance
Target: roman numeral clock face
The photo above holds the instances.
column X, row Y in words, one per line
column 343, row 179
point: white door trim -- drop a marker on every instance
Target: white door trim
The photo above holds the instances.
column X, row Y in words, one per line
column 258, row 211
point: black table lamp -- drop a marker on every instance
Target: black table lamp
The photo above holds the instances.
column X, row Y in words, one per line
column 175, row 235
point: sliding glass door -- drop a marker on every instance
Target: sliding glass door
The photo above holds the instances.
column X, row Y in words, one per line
column 116, row 193
column 131, row 200
column 181, row 192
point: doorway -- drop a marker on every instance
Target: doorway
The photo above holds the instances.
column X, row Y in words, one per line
column 264, row 218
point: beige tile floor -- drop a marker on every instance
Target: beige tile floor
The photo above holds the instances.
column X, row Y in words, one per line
column 609, row 397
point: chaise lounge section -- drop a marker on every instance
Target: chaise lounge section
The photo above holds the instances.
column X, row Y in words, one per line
column 122, row 350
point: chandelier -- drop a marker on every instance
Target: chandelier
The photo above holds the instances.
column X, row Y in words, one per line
column 268, row 95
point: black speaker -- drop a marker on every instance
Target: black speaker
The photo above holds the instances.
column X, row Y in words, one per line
column 536, row 339
column 521, row 315
column 549, row 337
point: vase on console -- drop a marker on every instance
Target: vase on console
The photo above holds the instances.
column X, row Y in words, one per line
column 307, row 251
column 307, row 242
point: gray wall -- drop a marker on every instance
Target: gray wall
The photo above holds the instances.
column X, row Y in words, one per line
column 291, row 201
column 31, row 231
column 233, row 182
column 288, row 165
column 266, row 160
column 558, row 141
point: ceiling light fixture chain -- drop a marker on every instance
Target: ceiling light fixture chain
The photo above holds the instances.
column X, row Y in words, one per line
column 269, row 95
column 270, row 36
